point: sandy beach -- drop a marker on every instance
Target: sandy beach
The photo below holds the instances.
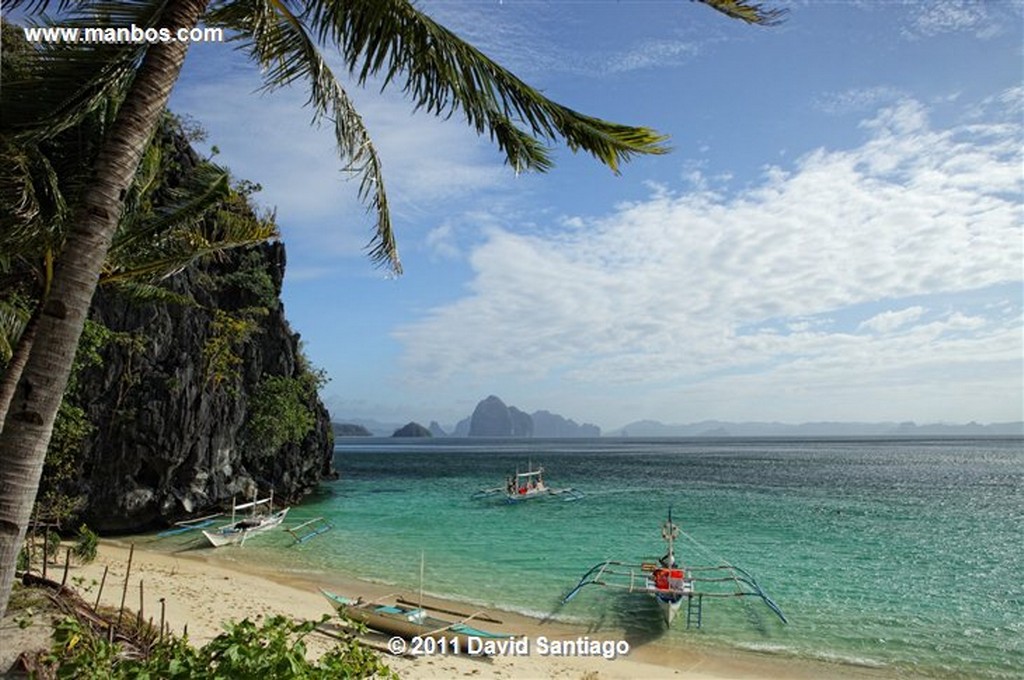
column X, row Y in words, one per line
column 202, row 592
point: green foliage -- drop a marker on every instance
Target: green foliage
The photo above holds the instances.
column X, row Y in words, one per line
column 36, row 546
column 228, row 332
column 72, row 426
column 274, row 649
column 252, row 277
column 279, row 413
column 85, row 544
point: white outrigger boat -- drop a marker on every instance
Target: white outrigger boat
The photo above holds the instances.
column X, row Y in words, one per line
column 255, row 522
column 524, row 486
column 671, row 583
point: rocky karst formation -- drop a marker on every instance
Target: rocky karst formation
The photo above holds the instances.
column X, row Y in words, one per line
column 168, row 440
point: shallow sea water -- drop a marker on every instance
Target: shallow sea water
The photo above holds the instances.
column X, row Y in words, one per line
column 900, row 554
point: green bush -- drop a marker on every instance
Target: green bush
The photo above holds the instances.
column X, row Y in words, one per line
column 85, row 544
column 279, row 413
column 275, row 649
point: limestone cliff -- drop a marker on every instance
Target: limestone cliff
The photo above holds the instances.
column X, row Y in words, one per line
column 170, row 432
column 492, row 418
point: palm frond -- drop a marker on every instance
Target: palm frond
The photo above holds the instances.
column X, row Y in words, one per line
column 67, row 81
column 750, row 12
column 30, row 194
column 191, row 223
column 148, row 292
column 279, row 42
column 143, row 230
column 13, row 320
column 31, row 7
column 442, row 74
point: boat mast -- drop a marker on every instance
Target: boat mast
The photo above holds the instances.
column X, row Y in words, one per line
column 421, row 579
column 670, row 532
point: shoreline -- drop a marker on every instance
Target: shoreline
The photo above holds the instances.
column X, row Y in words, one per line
column 202, row 591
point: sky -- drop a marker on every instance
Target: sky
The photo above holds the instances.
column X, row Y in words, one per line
column 835, row 236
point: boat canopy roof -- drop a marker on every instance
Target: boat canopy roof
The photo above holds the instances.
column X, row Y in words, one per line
column 262, row 501
column 530, row 473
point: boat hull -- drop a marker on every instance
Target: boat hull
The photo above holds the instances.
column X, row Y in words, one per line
column 669, row 608
column 406, row 622
column 238, row 532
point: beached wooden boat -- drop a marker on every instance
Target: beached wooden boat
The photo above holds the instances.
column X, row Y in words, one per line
column 409, row 621
column 671, row 584
column 257, row 521
column 524, row 486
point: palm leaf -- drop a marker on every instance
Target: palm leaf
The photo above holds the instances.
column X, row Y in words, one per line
column 13, row 320
column 191, row 224
column 279, row 42
column 750, row 12
column 443, row 74
column 141, row 292
column 67, row 81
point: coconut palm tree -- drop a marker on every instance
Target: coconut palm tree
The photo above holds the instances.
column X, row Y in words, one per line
column 194, row 220
column 390, row 39
column 39, row 177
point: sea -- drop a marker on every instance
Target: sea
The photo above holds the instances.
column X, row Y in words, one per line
column 902, row 555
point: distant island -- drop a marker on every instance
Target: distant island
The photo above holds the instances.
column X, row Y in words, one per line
column 493, row 418
column 716, row 428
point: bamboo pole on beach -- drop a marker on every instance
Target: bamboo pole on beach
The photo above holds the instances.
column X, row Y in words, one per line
column 124, row 590
column 96, row 607
column 67, row 563
column 142, row 603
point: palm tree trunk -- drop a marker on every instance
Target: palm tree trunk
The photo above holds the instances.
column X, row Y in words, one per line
column 16, row 365
column 29, row 424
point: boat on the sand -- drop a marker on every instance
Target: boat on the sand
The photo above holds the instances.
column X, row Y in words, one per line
column 410, row 621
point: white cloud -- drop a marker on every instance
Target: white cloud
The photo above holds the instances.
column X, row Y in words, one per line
column 983, row 20
column 650, row 53
column 744, row 296
column 888, row 321
column 857, row 100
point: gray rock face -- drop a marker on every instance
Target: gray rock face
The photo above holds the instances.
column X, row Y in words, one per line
column 168, row 441
column 491, row 418
column 552, row 425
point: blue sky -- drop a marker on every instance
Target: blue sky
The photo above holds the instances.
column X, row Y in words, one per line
column 837, row 234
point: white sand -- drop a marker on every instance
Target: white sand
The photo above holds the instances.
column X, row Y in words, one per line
column 203, row 592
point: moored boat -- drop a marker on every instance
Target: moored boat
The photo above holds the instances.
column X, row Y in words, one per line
column 238, row 530
column 524, row 486
column 671, row 584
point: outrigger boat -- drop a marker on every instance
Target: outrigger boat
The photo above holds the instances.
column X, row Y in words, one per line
column 671, row 583
column 237, row 531
column 524, row 486
column 409, row 621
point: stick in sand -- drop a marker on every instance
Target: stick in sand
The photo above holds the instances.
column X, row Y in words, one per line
column 67, row 561
column 127, row 573
column 96, row 607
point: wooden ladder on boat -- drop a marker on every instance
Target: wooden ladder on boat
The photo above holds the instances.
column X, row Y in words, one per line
column 694, row 610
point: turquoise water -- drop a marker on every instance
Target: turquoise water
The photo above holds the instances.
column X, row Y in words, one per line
column 905, row 555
